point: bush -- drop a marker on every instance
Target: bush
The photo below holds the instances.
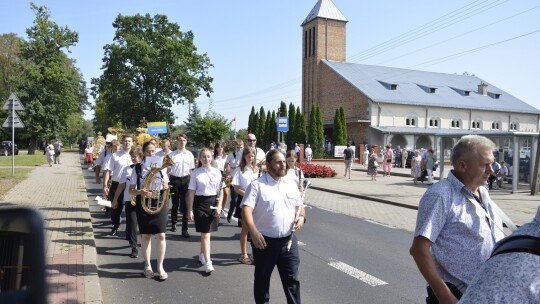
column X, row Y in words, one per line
column 313, row 171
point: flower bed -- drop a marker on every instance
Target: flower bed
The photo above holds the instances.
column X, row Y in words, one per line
column 313, row 171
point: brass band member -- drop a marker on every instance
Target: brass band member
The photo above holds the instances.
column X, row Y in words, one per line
column 272, row 209
column 205, row 203
column 136, row 154
column 243, row 176
column 180, row 173
column 150, row 224
column 112, row 169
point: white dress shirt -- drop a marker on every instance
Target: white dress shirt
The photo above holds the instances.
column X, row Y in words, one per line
column 243, row 179
column 184, row 162
column 205, row 181
column 116, row 164
column 125, row 177
column 220, row 162
column 275, row 205
column 234, row 161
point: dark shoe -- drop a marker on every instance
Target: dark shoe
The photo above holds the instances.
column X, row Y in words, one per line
column 185, row 234
column 228, row 219
column 114, row 232
column 134, row 253
column 173, row 228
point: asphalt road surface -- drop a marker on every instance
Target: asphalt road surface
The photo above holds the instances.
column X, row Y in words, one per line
column 344, row 259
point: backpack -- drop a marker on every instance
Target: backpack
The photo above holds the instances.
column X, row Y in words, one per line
column 518, row 243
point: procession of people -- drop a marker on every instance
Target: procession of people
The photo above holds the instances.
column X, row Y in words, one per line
column 264, row 192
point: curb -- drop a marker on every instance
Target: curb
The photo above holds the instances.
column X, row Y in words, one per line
column 366, row 197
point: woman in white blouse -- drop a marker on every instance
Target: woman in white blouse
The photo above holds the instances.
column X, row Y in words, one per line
column 243, row 176
column 205, row 202
column 150, row 224
column 294, row 173
column 219, row 157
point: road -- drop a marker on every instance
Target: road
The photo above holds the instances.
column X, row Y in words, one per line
column 352, row 251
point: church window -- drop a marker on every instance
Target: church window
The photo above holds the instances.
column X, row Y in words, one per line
column 313, row 42
column 495, row 125
column 410, row 121
column 475, row 124
column 514, row 126
column 305, row 44
column 434, row 122
column 456, row 123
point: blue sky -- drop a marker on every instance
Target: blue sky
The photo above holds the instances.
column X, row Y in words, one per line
column 255, row 46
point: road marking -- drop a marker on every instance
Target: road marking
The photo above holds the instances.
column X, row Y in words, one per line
column 356, row 273
column 381, row 224
column 301, row 243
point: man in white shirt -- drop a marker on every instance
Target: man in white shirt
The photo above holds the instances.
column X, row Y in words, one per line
column 113, row 169
column 232, row 162
column 273, row 209
column 180, row 172
column 252, row 142
column 165, row 148
column 309, row 153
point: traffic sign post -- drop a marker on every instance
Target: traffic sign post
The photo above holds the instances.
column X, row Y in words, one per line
column 13, row 103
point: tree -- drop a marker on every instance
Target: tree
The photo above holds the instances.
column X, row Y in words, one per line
column 316, row 132
column 338, row 136
column 10, row 63
column 343, row 139
column 290, row 136
column 268, row 130
column 150, row 66
column 209, row 129
column 261, row 127
column 251, row 122
column 75, row 128
column 193, row 117
column 273, row 126
column 50, row 86
column 300, row 127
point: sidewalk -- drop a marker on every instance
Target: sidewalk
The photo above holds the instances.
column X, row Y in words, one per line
column 400, row 190
column 59, row 192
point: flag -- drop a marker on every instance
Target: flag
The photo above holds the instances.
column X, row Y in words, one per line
column 233, row 120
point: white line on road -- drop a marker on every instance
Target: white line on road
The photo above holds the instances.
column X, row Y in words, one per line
column 381, row 224
column 356, row 273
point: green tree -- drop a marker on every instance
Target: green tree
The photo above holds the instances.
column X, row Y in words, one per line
column 150, row 66
column 300, row 127
column 50, row 86
column 268, row 130
column 273, row 127
column 251, row 122
column 290, row 136
column 316, row 132
column 209, row 129
column 75, row 128
column 190, row 123
column 343, row 123
column 10, row 63
column 338, row 138
column 261, row 140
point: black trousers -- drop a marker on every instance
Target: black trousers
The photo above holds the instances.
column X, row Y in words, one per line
column 116, row 213
column 432, row 299
column 131, row 224
column 232, row 203
column 180, row 189
column 287, row 261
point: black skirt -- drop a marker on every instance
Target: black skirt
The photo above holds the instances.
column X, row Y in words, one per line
column 151, row 223
column 203, row 215
column 238, row 210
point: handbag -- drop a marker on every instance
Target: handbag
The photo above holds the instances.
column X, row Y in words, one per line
column 376, row 164
column 435, row 166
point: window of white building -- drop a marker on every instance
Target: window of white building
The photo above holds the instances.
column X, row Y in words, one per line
column 456, row 123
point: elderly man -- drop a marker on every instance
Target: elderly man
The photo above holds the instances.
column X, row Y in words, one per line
column 252, row 142
column 272, row 209
column 456, row 227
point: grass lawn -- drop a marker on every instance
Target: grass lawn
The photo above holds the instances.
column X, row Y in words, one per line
column 23, row 159
column 7, row 181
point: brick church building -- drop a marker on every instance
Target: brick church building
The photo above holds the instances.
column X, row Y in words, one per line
column 410, row 108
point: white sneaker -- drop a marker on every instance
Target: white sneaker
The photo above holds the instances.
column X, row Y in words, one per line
column 208, row 267
column 201, row 259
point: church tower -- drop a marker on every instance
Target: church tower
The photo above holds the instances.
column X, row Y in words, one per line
column 324, row 31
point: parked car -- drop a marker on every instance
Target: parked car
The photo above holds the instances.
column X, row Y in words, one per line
column 5, row 148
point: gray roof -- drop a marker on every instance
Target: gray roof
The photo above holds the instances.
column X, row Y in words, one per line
column 449, row 132
column 325, row 9
column 413, row 87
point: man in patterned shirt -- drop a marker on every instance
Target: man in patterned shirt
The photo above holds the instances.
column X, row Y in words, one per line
column 456, row 227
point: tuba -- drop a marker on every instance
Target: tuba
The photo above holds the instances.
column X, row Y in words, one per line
column 158, row 199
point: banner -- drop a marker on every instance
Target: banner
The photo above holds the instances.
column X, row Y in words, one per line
column 338, row 151
column 158, row 127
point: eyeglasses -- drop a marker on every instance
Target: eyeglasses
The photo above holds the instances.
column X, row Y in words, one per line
column 251, row 140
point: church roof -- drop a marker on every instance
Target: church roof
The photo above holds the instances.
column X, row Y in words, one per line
column 325, row 9
column 413, row 87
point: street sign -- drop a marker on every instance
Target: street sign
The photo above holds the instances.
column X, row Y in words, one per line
column 158, row 127
column 13, row 121
column 283, row 124
column 14, row 102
